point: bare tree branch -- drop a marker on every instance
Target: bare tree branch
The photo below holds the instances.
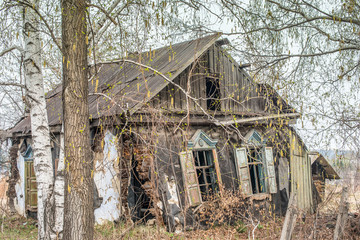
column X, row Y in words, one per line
column 12, row 84
column 11, row 49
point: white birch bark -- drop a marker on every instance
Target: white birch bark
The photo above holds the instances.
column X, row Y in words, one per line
column 59, row 196
column 39, row 121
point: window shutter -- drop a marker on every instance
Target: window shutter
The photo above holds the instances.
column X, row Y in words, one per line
column 217, row 169
column 190, row 178
column 269, row 159
column 242, row 169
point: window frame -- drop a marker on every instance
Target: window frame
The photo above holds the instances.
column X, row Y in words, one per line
column 259, row 151
column 209, row 186
column 199, row 142
column 242, row 154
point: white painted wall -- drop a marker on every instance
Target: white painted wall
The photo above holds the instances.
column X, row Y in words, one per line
column 20, row 187
column 107, row 182
column 105, row 177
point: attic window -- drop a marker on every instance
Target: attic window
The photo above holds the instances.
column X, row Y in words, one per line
column 213, row 94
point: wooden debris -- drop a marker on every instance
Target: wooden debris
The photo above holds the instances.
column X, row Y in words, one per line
column 342, row 215
column 290, row 218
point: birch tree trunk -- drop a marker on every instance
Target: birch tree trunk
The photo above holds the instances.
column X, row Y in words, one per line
column 59, row 194
column 39, row 121
column 79, row 213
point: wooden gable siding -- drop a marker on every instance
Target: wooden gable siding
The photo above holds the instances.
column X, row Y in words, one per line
column 239, row 94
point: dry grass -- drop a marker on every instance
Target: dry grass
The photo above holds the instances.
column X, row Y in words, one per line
column 322, row 227
column 17, row 228
column 115, row 231
column 314, row 226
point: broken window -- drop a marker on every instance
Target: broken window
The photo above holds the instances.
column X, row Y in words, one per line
column 206, row 173
column 255, row 167
column 201, row 172
column 256, row 170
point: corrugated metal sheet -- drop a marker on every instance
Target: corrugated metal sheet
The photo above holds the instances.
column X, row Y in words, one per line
column 300, row 172
column 124, row 86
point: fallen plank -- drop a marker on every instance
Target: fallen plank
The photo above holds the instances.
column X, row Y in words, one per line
column 342, row 215
column 290, row 218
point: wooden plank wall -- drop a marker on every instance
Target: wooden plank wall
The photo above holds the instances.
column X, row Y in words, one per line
column 300, row 171
column 239, row 93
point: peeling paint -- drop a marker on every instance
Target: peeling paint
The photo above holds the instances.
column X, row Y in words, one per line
column 20, row 187
column 107, row 183
column 173, row 201
column 173, row 198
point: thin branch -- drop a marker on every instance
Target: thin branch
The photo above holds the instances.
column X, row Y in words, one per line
column 326, row 17
column 105, row 12
column 44, row 21
column 13, row 100
column 106, row 96
column 12, row 84
column 11, row 49
column 103, row 28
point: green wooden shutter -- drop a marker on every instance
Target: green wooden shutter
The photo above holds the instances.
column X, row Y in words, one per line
column 269, row 160
column 190, row 178
column 30, row 186
column 242, row 169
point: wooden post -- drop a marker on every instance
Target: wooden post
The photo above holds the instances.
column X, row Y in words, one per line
column 290, row 218
column 342, row 215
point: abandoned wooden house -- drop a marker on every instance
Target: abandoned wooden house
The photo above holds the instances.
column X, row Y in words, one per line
column 171, row 127
column 321, row 170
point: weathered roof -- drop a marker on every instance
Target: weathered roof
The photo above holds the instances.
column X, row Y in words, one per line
column 123, row 86
column 317, row 157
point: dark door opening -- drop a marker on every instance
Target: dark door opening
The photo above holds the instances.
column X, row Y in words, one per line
column 139, row 202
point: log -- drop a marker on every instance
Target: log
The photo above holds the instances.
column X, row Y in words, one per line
column 290, row 218
column 342, row 215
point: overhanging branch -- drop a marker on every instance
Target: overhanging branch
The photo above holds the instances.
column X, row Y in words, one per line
column 11, row 49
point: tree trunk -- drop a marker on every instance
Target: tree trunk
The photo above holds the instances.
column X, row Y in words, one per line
column 14, row 177
column 39, row 121
column 79, row 213
column 59, row 194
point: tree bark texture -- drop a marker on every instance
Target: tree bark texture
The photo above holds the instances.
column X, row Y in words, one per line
column 11, row 192
column 78, row 209
column 58, row 196
column 39, row 122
